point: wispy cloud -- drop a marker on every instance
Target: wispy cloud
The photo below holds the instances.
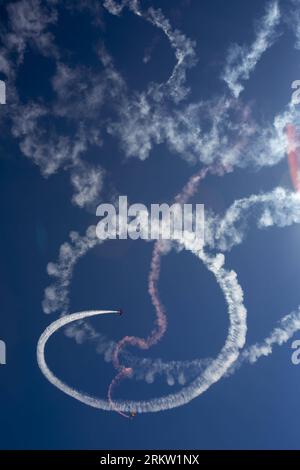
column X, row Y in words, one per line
column 88, row 184
column 293, row 20
column 29, row 22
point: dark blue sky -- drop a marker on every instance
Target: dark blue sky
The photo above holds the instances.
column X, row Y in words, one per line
column 257, row 407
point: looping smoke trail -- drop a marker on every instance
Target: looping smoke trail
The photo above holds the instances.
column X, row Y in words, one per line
column 215, row 370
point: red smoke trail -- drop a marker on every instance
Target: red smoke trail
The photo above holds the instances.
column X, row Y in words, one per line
column 294, row 155
column 161, row 320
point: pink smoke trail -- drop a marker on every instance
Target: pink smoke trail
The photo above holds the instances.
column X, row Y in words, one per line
column 160, row 327
column 293, row 155
column 142, row 343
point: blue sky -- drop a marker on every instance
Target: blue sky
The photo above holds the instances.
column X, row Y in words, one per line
column 133, row 98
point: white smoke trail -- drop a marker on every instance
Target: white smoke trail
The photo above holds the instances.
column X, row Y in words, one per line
column 184, row 48
column 49, row 331
column 279, row 207
column 285, row 330
column 242, row 60
column 57, row 295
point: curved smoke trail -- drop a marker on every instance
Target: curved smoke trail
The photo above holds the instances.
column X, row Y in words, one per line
column 49, row 331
